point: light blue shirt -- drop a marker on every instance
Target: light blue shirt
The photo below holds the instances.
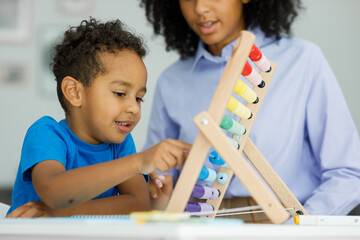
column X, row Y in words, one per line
column 304, row 127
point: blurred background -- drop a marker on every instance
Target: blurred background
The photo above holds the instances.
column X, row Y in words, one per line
column 28, row 29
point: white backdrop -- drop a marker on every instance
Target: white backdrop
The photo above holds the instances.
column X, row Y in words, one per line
column 332, row 24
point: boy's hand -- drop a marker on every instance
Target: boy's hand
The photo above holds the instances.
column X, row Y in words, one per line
column 164, row 156
column 160, row 189
column 32, row 210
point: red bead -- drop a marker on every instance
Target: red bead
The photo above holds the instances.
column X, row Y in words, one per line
column 255, row 54
column 247, row 69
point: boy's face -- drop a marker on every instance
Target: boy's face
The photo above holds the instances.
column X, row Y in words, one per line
column 111, row 106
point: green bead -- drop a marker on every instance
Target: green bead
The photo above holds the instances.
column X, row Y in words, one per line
column 226, row 123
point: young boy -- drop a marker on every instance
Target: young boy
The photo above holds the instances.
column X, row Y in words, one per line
column 87, row 163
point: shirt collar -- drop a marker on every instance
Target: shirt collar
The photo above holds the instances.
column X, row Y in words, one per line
column 201, row 53
column 261, row 40
column 80, row 143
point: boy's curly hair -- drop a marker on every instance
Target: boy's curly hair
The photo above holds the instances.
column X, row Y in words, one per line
column 78, row 53
column 273, row 17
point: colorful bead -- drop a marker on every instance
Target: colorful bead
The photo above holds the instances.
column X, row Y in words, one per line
column 232, row 126
column 222, row 177
column 205, row 192
column 207, row 174
column 215, row 159
column 198, row 207
column 215, row 193
column 255, row 54
column 251, row 75
column 238, row 108
column 245, row 92
column 259, row 59
column 234, row 143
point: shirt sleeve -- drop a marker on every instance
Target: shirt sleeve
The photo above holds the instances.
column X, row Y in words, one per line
column 43, row 141
column 335, row 144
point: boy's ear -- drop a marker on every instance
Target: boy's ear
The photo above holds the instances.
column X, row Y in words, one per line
column 72, row 90
column 245, row 1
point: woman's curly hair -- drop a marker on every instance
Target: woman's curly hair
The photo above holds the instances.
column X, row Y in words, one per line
column 78, row 53
column 273, row 17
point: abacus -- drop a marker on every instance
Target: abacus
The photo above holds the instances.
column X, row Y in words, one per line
column 212, row 124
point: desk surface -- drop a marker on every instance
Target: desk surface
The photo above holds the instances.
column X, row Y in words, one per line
column 127, row 229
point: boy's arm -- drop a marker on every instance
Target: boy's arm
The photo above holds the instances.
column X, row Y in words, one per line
column 134, row 197
column 59, row 188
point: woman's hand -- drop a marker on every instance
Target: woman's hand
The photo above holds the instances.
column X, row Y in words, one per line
column 160, row 189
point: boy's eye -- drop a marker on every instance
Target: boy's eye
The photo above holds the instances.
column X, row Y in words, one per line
column 120, row 94
column 139, row 99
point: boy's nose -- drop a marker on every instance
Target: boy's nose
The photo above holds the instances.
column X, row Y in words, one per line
column 133, row 106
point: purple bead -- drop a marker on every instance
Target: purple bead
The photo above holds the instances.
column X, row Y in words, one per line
column 198, row 207
column 215, row 193
column 198, row 191
column 205, row 192
column 192, row 207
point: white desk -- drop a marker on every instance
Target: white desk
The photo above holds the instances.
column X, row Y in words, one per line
column 54, row 229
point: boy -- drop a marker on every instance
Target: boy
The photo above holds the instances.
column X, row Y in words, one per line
column 87, row 163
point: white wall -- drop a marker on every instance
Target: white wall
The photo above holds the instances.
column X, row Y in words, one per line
column 332, row 24
column 335, row 27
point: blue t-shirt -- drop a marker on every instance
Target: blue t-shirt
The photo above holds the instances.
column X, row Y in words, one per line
column 48, row 139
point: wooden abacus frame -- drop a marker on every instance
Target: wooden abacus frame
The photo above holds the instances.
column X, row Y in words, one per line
column 211, row 134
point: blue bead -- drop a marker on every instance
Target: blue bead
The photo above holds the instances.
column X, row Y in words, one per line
column 204, row 174
column 222, row 177
column 215, row 158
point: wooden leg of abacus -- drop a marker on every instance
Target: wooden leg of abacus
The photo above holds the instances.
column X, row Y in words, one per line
column 253, row 183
